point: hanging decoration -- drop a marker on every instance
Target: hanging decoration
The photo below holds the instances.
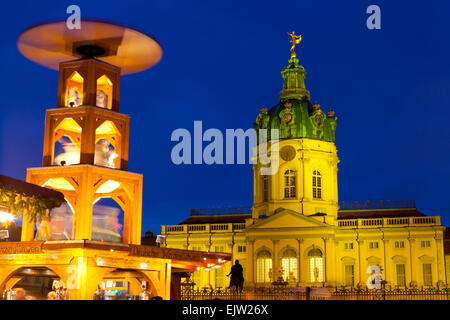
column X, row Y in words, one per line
column 21, row 205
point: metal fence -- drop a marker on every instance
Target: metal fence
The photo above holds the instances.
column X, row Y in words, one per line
column 386, row 204
column 221, row 211
column 274, row 293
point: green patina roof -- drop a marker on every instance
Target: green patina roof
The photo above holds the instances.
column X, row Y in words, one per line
column 295, row 116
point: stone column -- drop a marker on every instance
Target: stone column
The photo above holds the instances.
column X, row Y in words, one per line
column 208, row 273
column 440, row 263
column 325, row 262
column 330, row 262
column 275, row 262
column 228, row 265
column 251, row 270
column 412, row 263
column 299, row 261
column 361, row 272
column 387, row 265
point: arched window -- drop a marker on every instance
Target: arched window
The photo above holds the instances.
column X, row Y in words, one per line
column 315, row 265
column 289, row 184
column 289, row 264
column 266, row 187
column 263, row 266
column 317, row 185
column 74, row 90
column 104, row 92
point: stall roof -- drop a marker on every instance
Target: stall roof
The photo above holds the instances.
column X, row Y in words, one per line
column 29, row 189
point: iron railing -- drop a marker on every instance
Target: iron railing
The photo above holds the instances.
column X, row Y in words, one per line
column 202, row 228
column 382, row 204
column 278, row 293
column 220, row 211
column 390, row 222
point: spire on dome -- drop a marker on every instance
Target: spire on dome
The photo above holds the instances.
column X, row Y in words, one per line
column 294, row 75
column 294, row 40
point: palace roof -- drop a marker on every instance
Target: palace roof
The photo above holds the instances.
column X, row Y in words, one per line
column 240, row 217
column 234, row 218
column 379, row 213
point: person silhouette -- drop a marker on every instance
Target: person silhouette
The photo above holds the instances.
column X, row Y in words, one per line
column 237, row 277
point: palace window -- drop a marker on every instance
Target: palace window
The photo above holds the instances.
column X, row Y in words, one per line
column 315, row 265
column 425, row 243
column 263, row 266
column 289, row 264
column 266, row 186
column 289, row 184
column 219, row 249
column 427, row 275
column 349, row 275
column 399, row 244
column 317, row 185
column 373, row 245
column 401, row 275
column 242, row 249
column 348, row 246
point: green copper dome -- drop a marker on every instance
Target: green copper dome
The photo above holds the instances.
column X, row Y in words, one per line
column 295, row 116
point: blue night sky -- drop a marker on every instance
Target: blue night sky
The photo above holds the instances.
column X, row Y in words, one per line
column 390, row 89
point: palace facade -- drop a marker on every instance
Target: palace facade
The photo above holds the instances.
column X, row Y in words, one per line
column 296, row 231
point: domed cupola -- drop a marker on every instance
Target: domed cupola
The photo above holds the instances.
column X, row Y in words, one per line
column 294, row 81
column 295, row 116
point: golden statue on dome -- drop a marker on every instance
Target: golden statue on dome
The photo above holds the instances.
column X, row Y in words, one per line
column 294, row 40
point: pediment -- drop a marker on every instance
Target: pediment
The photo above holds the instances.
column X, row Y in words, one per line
column 287, row 219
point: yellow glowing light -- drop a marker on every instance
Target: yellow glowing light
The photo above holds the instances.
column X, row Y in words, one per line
column 70, row 125
column 59, row 183
column 74, row 82
column 77, row 77
column 207, row 269
column 219, row 260
column 6, row 217
column 217, row 267
column 198, row 268
column 144, row 265
column 204, row 259
column 105, row 85
column 108, row 186
column 105, row 128
column 104, row 80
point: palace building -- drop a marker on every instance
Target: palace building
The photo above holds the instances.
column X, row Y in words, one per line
column 297, row 231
